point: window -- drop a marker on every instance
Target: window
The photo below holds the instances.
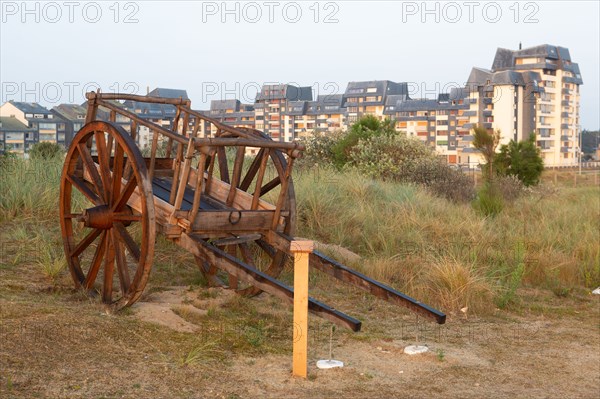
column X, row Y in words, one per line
column 372, row 90
column 14, row 136
column 47, row 126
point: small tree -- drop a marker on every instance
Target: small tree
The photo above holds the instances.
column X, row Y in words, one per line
column 45, row 150
column 486, row 142
column 521, row 159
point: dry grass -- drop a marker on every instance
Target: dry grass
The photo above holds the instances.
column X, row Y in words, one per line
column 547, row 238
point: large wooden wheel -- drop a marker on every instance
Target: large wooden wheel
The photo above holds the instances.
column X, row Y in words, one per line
column 252, row 249
column 94, row 193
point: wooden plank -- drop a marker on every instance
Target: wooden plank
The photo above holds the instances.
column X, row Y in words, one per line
column 301, row 250
column 199, row 189
column 219, row 190
column 236, row 240
column 232, row 221
column 183, row 182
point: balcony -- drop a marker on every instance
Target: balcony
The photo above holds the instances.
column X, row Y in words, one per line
column 565, row 126
column 565, row 115
column 566, row 138
column 564, row 149
column 566, row 91
column 565, row 103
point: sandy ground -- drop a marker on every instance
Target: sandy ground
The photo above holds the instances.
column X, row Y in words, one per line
column 56, row 344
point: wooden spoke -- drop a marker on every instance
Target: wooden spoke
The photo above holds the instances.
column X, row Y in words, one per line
column 130, row 243
column 261, row 174
column 103, row 161
column 84, row 189
column 92, row 170
column 247, row 254
column 223, row 166
column 252, row 170
column 117, row 171
column 125, row 195
column 96, row 261
column 233, row 280
column 237, row 172
column 109, row 266
column 270, row 186
column 87, row 240
column 122, row 269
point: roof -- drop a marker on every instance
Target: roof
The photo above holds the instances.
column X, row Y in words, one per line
column 553, row 57
column 169, row 93
column 12, row 124
column 222, row 105
column 395, row 98
column 285, row 91
column 70, row 111
column 30, row 108
column 485, row 77
column 297, row 108
column 383, row 87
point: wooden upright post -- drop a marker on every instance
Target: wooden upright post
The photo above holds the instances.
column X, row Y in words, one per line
column 301, row 251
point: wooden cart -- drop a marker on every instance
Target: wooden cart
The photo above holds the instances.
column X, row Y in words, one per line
column 236, row 217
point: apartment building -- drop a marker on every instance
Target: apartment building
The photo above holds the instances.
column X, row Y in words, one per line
column 552, row 110
column 272, row 104
column 233, row 113
column 47, row 126
column 369, row 97
column 74, row 115
column 15, row 136
column 439, row 123
column 326, row 114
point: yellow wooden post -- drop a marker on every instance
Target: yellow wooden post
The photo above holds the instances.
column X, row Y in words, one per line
column 301, row 251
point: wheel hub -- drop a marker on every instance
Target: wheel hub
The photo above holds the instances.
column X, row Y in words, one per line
column 98, row 217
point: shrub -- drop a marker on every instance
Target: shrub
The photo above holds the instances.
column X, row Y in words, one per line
column 521, row 159
column 319, row 148
column 489, row 201
column 442, row 180
column 509, row 187
column 46, row 151
column 367, row 127
column 405, row 159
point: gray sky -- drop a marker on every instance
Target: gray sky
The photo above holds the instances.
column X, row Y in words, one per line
column 50, row 52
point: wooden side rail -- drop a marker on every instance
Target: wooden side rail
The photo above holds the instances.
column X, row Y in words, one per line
column 134, row 97
column 200, row 248
column 343, row 273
